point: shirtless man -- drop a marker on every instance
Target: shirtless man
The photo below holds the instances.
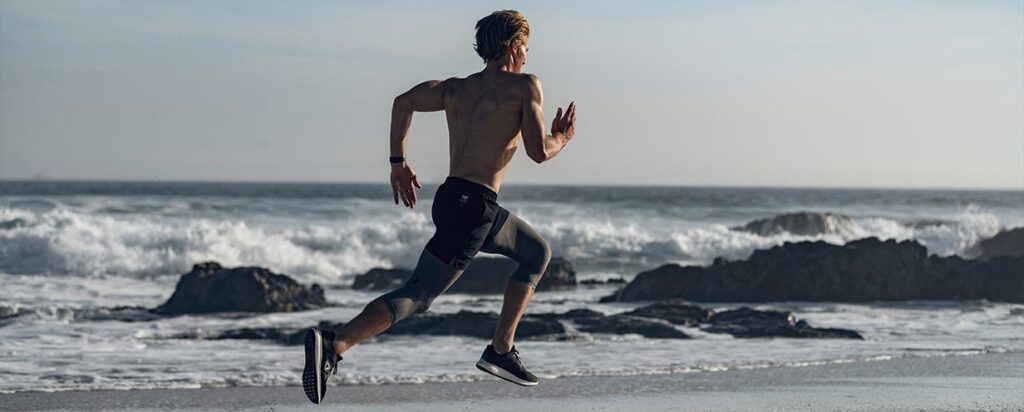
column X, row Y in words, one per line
column 487, row 112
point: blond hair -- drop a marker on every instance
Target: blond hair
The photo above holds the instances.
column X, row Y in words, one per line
column 499, row 30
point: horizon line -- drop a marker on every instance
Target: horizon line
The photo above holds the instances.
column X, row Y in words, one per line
column 384, row 183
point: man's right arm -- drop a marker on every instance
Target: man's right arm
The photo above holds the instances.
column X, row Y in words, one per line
column 540, row 146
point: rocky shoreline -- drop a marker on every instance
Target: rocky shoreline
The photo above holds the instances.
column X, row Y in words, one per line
column 657, row 321
column 860, row 271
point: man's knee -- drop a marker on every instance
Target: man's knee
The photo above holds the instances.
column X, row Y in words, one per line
column 545, row 260
column 542, row 256
column 385, row 304
column 424, row 303
column 423, row 287
column 532, row 265
column 404, row 302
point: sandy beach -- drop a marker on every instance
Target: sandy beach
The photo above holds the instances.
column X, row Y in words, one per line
column 987, row 382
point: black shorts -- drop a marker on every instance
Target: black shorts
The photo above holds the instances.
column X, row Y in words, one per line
column 468, row 220
column 466, row 215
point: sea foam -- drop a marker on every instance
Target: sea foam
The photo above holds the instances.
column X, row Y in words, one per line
column 64, row 240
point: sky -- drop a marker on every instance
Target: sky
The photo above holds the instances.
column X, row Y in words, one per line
column 888, row 94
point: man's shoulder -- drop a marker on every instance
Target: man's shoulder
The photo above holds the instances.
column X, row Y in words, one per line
column 529, row 84
column 528, row 78
column 523, row 82
column 451, row 81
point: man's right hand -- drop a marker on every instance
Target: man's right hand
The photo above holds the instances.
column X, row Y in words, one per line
column 565, row 125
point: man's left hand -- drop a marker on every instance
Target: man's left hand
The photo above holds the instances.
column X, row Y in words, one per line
column 404, row 184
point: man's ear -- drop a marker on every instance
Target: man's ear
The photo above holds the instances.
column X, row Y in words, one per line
column 510, row 51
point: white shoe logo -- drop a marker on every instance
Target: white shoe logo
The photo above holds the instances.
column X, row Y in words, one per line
column 464, row 198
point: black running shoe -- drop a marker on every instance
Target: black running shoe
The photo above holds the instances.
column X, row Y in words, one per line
column 321, row 362
column 507, row 366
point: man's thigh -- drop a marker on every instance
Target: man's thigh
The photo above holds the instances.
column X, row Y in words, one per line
column 514, row 238
column 462, row 230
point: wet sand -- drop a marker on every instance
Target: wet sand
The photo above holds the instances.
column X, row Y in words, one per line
column 972, row 382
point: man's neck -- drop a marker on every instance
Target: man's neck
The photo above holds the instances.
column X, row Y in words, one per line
column 498, row 65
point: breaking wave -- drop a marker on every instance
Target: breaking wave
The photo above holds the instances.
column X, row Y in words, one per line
column 62, row 241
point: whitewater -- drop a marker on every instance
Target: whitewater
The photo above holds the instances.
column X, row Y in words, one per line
column 70, row 249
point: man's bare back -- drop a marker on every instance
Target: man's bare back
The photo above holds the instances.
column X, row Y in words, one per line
column 484, row 112
column 487, row 112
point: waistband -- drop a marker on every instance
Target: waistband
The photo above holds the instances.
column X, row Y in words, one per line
column 469, row 185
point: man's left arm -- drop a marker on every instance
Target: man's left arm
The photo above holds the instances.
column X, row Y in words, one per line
column 424, row 97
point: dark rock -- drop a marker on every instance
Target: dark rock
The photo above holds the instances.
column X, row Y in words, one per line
column 117, row 313
column 483, row 275
column 210, row 288
column 800, row 223
column 749, row 323
column 575, row 314
column 381, row 279
column 806, row 331
column 674, row 312
column 571, row 316
column 592, row 321
column 623, row 324
column 860, row 271
column 745, row 315
column 1005, row 243
column 608, row 281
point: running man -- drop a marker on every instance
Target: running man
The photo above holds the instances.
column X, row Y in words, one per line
column 486, row 112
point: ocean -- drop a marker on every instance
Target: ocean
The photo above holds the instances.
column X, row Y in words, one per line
column 71, row 248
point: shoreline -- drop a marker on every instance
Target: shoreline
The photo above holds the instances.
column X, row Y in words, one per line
column 989, row 381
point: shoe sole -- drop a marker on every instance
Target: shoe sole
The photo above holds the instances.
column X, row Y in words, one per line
column 311, row 374
column 501, row 373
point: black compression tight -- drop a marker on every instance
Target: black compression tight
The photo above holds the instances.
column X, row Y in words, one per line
column 433, row 275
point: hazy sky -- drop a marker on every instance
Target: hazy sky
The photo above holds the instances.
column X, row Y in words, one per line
column 777, row 93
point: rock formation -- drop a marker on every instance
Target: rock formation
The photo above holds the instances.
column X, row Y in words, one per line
column 800, row 224
column 860, row 271
column 210, row 288
column 1006, row 243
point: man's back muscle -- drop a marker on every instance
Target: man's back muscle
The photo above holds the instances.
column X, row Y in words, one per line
column 484, row 112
